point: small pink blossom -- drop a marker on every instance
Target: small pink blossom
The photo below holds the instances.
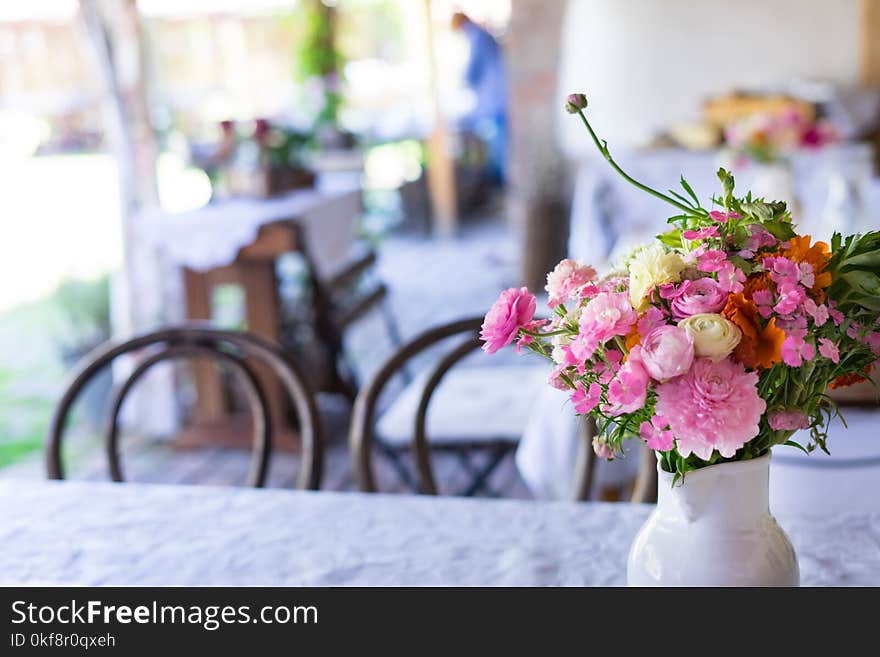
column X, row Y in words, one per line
column 652, row 318
column 657, row 434
column 712, row 260
column 853, row 330
column 782, row 270
column 525, row 339
column 790, row 299
column 714, row 406
column 806, row 276
column 566, row 281
column 731, row 278
column 556, row 380
column 819, row 312
column 703, row 295
column 667, row 352
column 759, row 238
column 701, row 234
column 873, row 341
column 514, row 309
column 722, row 217
column 788, row 420
column 829, row 350
column 764, row 301
column 586, row 399
column 836, row 315
column 627, row 393
column 795, row 350
column 606, row 316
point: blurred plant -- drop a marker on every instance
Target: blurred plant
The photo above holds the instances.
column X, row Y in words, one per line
column 286, row 147
column 85, row 308
column 318, row 57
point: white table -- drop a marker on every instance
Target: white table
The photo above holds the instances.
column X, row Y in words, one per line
column 128, row 534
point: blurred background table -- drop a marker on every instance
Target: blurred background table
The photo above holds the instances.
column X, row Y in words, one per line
column 134, row 534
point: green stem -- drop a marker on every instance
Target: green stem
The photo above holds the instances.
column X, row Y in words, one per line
column 603, row 148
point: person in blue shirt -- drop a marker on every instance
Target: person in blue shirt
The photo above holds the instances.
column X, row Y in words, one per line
column 485, row 76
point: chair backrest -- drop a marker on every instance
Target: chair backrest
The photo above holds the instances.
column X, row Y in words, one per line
column 189, row 341
column 364, row 413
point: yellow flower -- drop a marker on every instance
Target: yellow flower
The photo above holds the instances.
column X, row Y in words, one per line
column 652, row 266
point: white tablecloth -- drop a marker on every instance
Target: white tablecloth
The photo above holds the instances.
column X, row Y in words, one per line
column 130, row 534
column 211, row 236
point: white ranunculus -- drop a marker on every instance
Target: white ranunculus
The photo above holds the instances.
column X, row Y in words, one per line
column 714, row 336
column 653, row 265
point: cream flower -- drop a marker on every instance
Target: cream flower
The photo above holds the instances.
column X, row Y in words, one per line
column 651, row 266
column 714, row 336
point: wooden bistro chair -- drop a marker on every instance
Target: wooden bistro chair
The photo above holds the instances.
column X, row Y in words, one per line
column 236, row 350
column 479, row 409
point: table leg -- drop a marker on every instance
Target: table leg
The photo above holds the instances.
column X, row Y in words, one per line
column 262, row 313
column 210, row 403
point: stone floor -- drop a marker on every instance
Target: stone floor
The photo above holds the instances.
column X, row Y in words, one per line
column 431, row 281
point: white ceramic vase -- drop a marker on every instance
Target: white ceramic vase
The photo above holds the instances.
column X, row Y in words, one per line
column 714, row 528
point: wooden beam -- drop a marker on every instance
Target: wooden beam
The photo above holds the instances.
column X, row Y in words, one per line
column 869, row 42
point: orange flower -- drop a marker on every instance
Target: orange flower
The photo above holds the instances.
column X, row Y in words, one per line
column 818, row 256
column 632, row 338
column 845, row 380
column 756, row 282
column 760, row 347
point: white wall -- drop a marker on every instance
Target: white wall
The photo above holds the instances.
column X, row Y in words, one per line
column 647, row 63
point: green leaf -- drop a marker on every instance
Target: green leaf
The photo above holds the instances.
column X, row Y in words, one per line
column 690, row 191
column 682, row 199
column 671, row 238
column 781, row 230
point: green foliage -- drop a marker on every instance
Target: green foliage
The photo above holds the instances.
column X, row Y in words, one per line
column 85, row 309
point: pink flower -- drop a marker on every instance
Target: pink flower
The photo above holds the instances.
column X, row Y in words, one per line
column 760, row 237
column 525, row 339
column 731, row 278
column 657, row 434
column 836, row 315
column 722, row 217
column 695, row 297
column 566, row 281
column 628, row 392
column 819, row 312
column 713, row 406
column 606, row 316
column 795, row 351
column 873, row 341
column 701, row 234
column 667, row 352
column 585, row 400
column 788, row 420
column 782, row 270
column 764, row 301
column 514, row 309
column 652, row 318
column 829, row 350
column 790, row 298
column 853, row 330
column 556, row 380
column 711, row 260
column 806, row 277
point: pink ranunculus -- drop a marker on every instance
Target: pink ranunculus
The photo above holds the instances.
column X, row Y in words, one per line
column 829, row 350
column 711, row 260
column 667, row 352
column 657, row 434
column 731, row 278
column 652, row 318
column 703, row 295
column 714, row 406
column 514, row 309
column 788, row 420
column 566, row 281
column 795, row 350
column 585, row 399
column 607, row 315
column 628, row 391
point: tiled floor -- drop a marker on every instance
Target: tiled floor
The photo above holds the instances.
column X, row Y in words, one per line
column 431, row 281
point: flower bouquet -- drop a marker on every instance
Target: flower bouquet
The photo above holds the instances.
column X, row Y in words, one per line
column 711, row 344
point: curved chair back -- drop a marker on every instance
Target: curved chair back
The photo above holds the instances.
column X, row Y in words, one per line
column 188, row 341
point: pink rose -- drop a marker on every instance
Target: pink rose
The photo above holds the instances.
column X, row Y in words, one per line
column 788, row 420
column 566, row 281
column 514, row 309
column 714, row 406
column 667, row 352
column 697, row 297
column 606, row 316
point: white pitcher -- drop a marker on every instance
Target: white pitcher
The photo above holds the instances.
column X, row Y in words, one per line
column 714, row 528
